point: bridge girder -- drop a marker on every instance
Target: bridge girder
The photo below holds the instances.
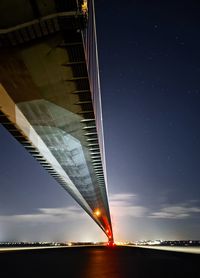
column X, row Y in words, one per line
column 49, row 100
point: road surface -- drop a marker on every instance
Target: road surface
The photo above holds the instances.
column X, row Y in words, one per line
column 99, row 262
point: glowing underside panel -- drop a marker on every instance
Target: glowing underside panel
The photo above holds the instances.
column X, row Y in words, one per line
column 53, row 124
column 60, row 150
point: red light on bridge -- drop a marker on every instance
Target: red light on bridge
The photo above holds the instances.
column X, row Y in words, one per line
column 111, row 244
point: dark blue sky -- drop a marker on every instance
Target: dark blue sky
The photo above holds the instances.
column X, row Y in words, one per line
column 149, row 67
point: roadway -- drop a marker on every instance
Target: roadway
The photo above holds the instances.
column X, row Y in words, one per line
column 188, row 249
column 99, row 262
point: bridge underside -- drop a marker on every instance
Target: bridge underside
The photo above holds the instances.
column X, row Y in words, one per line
column 47, row 99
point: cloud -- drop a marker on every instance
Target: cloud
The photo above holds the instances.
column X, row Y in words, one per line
column 125, row 205
column 175, row 212
column 71, row 211
column 122, row 205
column 47, row 215
column 50, row 224
column 122, row 196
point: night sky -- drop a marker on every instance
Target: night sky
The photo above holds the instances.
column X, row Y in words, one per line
column 149, row 54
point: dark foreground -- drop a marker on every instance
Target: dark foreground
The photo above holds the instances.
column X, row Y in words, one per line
column 98, row 262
